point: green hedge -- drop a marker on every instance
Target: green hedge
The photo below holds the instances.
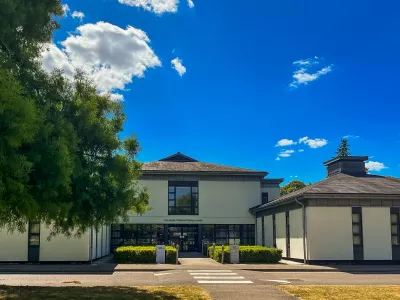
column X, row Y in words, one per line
column 248, row 254
column 142, row 255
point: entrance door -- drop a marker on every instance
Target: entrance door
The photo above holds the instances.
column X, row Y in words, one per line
column 34, row 241
column 185, row 236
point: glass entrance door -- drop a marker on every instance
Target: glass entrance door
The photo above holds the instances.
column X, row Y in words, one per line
column 185, row 236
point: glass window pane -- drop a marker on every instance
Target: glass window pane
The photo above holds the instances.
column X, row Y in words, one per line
column 34, row 240
column 356, row 240
column 394, row 218
column 356, row 229
column 195, row 189
column 34, row 227
column 171, row 189
column 395, row 240
column 394, row 229
column 171, row 203
column 356, row 218
column 171, row 196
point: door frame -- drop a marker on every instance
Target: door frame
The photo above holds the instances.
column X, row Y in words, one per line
column 33, row 245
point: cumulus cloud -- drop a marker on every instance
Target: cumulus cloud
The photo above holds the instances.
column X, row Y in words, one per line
column 111, row 55
column 190, row 3
column 350, row 136
column 157, row 6
column 66, row 9
column 78, row 14
column 305, row 72
column 278, row 158
column 177, row 64
column 375, row 166
column 313, row 143
column 301, row 150
column 285, row 142
column 286, row 153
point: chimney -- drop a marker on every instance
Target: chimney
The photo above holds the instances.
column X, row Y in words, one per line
column 352, row 165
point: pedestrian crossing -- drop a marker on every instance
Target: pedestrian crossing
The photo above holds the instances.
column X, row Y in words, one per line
column 217, row 277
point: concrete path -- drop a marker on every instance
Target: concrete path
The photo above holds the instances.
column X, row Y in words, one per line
column 195, row 259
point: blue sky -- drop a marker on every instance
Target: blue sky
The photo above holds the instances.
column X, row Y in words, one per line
column 248, row 75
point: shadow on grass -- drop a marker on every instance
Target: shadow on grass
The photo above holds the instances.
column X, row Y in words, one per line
column 102, row 293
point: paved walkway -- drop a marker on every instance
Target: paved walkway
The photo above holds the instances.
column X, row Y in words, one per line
column 196, row 259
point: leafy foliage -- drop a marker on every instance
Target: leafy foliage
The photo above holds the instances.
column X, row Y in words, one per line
column 248, row 254
column 142, row 255
column 343, row 149
column 62, row 160
column 292, row 187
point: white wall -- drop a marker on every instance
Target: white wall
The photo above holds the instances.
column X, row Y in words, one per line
column 93, row 241
column 329, row 233
column 220, row 202
column 98, row 243
column 259, row 232
column 13, row 247
column 268, row 231
column 60, row 248
column 280, row 220
column 376, row 233
column 296, row 234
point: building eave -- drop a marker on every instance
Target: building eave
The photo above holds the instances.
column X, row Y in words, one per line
column 200, row 173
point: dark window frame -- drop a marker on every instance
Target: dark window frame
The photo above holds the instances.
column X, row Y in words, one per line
column 395, row 211
column 194, row 198
column 358, row 249
column 274, row 230
column 287, row 218
column 264, row 198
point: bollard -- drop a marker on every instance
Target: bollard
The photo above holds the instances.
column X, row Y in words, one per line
column 222, row 254
column 177, row 254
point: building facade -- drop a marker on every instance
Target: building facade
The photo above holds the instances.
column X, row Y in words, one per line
column 351, row 216
column 194, row 202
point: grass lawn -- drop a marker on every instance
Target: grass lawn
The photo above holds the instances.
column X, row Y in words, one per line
column 342, row 292
column 103, row 293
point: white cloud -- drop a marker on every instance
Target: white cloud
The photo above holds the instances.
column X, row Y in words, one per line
column 286, row 153
column 303, row 74
column 351, row 136
column 313, row 143
column 157, row 6
column 375, row 166
column 190, row 3
column 78, row 14
column 177, row 65
column 293, row 176
column 278, row 158
column 111, row 55
column 301, row 150
column 285, row 142
column 66, row 9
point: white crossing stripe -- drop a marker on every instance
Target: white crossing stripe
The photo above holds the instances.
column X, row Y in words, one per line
column 224, row 281
column 209, row 271
column 280, row 281
column 218, row 277
column 221, row 274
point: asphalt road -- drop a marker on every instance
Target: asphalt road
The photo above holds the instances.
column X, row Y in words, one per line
column 221, row 284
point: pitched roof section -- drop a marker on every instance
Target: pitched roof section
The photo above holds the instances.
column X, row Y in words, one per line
column 344, row 184
column 180, row 163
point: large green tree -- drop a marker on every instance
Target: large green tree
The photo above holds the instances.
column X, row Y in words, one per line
column 343, row 149
column 62, row 160
column 292, row 187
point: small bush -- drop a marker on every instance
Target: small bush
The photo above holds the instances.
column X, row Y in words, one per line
column 142, row 255
column 248, row 254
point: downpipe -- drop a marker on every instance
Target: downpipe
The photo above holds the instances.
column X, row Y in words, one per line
column 304, row 230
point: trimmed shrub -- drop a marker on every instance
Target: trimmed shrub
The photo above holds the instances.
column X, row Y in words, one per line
column 248, row 254
column 142, row 255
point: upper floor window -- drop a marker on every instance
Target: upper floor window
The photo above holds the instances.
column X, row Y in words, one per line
column 264, row 198
column 183, row 198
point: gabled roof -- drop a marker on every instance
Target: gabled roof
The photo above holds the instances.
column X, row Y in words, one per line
column 341, row 186
column 182, row 164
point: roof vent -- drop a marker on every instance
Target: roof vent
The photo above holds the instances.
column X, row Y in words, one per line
column 179, row 157
column 352, row 165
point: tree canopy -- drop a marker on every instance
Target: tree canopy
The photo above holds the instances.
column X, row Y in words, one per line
column 343, row 149
column 62, row 160
column 292, row 187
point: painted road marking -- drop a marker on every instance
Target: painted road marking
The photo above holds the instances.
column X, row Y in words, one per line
column 160, row 274
column 208, row 271
column 221, row 274
column 224, row 281
column 280, row 281
column 218, row 277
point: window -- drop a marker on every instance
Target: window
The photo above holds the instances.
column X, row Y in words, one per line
column 229, row 234
column 34, row 233
column 264, row 198
column 274, row 230
column 287, row 234
column 395, row 224
column 248, row 237
column 183, row 198
column 358, row 250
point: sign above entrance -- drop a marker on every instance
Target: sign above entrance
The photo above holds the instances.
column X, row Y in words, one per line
column 183, row 220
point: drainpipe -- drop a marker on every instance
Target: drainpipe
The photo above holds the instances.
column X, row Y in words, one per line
column 304, row 230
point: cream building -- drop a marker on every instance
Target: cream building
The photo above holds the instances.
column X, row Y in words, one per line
column 351, row 216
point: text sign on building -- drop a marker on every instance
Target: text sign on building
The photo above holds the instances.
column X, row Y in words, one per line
column 160, row 254
column 234, row 251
